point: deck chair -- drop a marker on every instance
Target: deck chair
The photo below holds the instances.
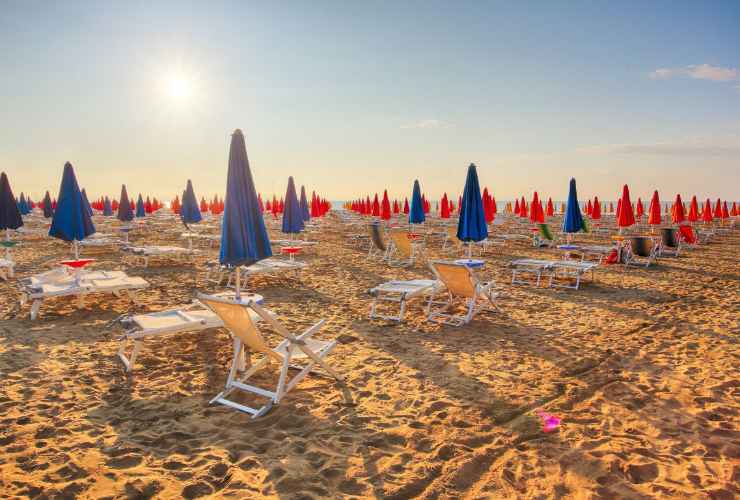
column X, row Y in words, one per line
column 670, row 243
column 641, row 251
column 570, row 270
column 377, row 244
column 543, row 238
column 403, row 252
column 238, row 320
column 535, row 267
column 400, row 292
column 460, row 282
column 144, row 253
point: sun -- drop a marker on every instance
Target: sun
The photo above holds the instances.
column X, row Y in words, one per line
column 178, row 87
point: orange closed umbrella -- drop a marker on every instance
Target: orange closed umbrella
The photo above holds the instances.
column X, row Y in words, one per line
column 626, row 215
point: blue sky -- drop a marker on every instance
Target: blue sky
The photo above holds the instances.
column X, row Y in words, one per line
column 354, row 97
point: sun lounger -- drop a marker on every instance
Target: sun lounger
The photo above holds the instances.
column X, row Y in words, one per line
column 570, row 270
column 534, row 267
column 303, row 348
column 400, row 292
column 190, row 318
column 62, row 283
column 460, row 283
column 144, row 253
column 641, row 251
column 269, row 267
column 378, row 246
column 403, row 252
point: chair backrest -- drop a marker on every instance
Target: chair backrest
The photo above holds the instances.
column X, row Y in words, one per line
column 641, row 246
column 668, row 237
column 458, row 278
column 687, row 233
column 401, row 242
column 376, row 237
column 239, row 322
column 545, row 231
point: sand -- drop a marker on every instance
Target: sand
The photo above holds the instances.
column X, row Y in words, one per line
column 641, row 366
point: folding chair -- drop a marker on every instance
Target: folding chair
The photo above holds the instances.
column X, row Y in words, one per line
column 461, row 282
column 238, row 320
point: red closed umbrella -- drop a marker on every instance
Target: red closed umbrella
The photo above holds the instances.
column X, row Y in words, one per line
column 725, row 212
column 619, row 207
column 494, row 207
column 733, row 212
column 396, row 208
column 677, row 213
column 385, row 208
column 596, row 213
column 486, row 200
column 640, row 208
column 406, row 206
column 654, row 209
column 523, row 212
column 376, row 206
column 626, row 215
column 516, row 207
column 445, row 208
column 718, row 210
column 693, row 210
column 706, row 214
column 536, row 214
column 589, row 208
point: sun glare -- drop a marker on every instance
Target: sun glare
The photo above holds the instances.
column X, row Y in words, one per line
column 178, row 88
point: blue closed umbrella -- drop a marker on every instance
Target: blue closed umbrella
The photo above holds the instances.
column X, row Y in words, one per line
column 10, row 214
column 304, row 205
column 292, row 213
column 107, row 207
column 71, row 220
column 125, row 212
column 23, row 205
column 244, row 239
column 190, row 211
column 47, row 206
column 471, row 225
column 572, row 220
column 140, row 208
column 416, row 212
column 86, row 203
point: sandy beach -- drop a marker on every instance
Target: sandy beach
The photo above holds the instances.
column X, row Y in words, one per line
column 641, row 366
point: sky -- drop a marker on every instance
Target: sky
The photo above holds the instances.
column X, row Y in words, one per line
column 355, row 97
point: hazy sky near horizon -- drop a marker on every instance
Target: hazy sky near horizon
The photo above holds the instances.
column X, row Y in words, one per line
column 354, row 97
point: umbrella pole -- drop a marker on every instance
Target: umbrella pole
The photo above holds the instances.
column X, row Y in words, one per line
column 7, row 248
column 470, row 250
column 76, row 250
column 238, row 285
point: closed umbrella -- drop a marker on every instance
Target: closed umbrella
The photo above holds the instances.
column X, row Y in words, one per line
column 189, row 210
column 125, row 212
column 445, row 207
column 677, row 214
column 48, row 211
column 693, row 210
column 640, row 208
column 305, row 212
column 654, row 217
column 385, row 207
column 472, row 223
column 71, row 221
column 244, row 239
column 596, row 212
column 140, row 208
column 718, row 210
column 86, row 202
column 10, row 214
column 626, row 216
column 706, row 215
column 550, row 208
column 416, row 213
column 107, row 207
column 572, row 220
column 292, row 213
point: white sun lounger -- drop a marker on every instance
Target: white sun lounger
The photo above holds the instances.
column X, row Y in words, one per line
column 461, row 284
column 146, row 252
column 529, row 266
column 269, row 267
column 190, row 318
column 62, row 283
column 570, row 269
column 401, row 292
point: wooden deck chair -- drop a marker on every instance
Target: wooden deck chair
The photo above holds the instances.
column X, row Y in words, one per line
column 301, row 348
column 461, row 282
column 403, row 251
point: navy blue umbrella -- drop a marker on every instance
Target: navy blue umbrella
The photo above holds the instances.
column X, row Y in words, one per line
column 190, row 211
column 22, row 205
column 244, row 239
column 572, row 220
column 471, row 225
column 140, row 208
column 292, row 213
column 10, row 215
column 47, row 206
column 86, row 203
column 71, row 220
column 416, row 212
column 107, row 207
column 125, row 212
column 304, row 205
